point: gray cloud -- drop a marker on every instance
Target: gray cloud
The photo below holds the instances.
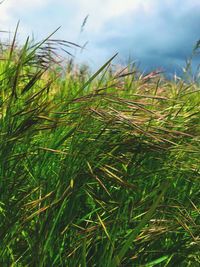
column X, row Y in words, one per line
column 164, row 38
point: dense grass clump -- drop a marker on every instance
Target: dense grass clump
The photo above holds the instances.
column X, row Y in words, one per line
column 96, row 170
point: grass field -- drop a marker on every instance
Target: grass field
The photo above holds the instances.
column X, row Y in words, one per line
column 96, row 170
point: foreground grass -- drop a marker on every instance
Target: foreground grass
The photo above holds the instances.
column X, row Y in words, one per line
column 98, row 170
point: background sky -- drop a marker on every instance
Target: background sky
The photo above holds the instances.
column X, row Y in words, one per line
column 154, row 33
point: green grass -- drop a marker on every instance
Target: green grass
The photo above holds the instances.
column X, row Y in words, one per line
column 96, row 170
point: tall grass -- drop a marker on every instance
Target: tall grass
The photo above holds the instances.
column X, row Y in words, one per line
column 96, row 170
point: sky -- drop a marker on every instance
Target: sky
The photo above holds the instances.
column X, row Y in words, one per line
column 153, row 33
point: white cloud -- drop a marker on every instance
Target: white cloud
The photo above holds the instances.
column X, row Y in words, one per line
column 9, row 8
column 101, row 11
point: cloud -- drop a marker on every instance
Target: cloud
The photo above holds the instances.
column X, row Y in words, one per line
column 10, row 8
column 156, row 33
column 162, row 34
column 12, row 11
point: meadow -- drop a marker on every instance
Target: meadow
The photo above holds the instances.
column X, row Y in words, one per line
column 97, row 170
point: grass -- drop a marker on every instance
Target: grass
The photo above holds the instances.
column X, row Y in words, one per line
column 96, row 170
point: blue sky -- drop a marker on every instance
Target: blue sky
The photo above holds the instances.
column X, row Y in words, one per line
column 153, row 33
